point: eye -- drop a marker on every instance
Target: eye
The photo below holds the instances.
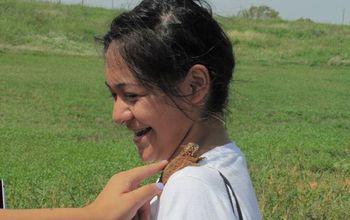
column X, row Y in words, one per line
column 131, row 97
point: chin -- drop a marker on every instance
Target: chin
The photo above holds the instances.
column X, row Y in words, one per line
column 150, row 153
column 146, row 157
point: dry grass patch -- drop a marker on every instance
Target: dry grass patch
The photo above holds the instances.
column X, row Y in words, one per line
column 247, row 35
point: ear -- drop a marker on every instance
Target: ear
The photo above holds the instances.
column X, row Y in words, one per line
column 197, row 82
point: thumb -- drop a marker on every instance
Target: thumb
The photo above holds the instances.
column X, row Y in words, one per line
column 143, row 194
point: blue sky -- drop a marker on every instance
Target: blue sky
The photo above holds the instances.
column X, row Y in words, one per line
column 324, row 11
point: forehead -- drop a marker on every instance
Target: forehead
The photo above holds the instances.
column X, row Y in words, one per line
column 117, row 71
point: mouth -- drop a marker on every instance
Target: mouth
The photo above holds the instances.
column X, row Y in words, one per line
column 143, row 132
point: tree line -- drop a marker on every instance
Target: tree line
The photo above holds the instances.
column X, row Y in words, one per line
column 259, row 12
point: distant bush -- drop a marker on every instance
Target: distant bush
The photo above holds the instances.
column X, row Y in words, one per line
column 259, row 12
column 305, row 20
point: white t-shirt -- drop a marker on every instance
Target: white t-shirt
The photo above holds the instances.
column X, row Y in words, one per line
column 200, row 192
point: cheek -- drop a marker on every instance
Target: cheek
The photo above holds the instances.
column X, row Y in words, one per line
column 172, row 125
column 170, row 117
column 167, row 120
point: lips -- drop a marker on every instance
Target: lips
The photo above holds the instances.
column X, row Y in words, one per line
column 143, row 132
column 140, row 134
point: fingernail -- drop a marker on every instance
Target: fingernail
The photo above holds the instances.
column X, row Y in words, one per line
column 164, row 161
column 160, row 185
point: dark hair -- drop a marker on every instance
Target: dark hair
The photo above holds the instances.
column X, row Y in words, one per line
column 160, row 40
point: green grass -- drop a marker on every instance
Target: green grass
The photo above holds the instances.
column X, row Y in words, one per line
column 289, row 111
column 293, row 123
column 52, row 28
column 58, row 144
column 288, row 42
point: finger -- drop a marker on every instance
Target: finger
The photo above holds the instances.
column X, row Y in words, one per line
column 136, row 217
column 145, row 211
column 140, row 173
column 143, row 194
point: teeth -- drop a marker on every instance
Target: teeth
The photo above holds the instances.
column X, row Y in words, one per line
column 143, row 131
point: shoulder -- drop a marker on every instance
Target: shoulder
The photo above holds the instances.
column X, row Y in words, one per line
column 206, row 175
column 200, row 192
column 195, row 181
column 195, row 193
column 201, row 175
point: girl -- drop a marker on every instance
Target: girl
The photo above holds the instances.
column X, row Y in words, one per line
column 168, row 67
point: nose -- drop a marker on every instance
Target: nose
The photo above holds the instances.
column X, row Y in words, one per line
column 121, row 112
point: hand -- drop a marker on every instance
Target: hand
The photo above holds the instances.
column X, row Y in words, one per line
column 121, row 199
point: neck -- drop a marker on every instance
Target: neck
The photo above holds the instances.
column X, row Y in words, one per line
column 207, row 133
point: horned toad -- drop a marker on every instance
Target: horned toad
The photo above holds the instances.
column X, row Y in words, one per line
column 187, row 157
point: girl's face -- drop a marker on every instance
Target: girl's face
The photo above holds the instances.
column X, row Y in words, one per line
column 158, row 125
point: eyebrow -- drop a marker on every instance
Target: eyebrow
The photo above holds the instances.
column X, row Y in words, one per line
column 120, row 85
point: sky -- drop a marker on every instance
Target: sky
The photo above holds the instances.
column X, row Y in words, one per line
column 322, row 11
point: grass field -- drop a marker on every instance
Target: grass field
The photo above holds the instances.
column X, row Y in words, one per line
column 289, row 111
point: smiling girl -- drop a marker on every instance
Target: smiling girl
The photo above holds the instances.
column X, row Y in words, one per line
column 168, row 67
